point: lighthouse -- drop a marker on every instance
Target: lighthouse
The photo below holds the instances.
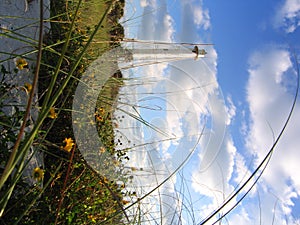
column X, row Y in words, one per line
column 147, row 52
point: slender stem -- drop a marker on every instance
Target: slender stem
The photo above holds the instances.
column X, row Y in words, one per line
column 60, row 60
column 65, row 185
column 39, row 195
column 9, row 166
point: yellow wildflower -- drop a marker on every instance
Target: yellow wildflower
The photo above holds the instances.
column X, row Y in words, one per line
column 99, row 118
column 92, row 218
column 69, row 144
column 38, row 174
column 125, row 202
column 21, row 63
column 52, row 113
column 105, row 180
column 101, row 110
column 28, row 86
column 102, row 149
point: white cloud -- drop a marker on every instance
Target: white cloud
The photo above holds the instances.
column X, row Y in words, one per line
column 178, row 109
column 231, row 109
column 269, row 104
column 265, row 94
column 156, row 23
column 288, row 16
column 193, row 88
column 241, row 170
column 241, row 218
column 217, row 157
column 194, row 17
column 269, row 101
column 167, row 28
column 201, row 17
column 145, row 3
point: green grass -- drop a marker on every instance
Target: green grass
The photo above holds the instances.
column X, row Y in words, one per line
column 72, row 192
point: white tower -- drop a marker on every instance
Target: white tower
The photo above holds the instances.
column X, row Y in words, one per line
column 146, row 52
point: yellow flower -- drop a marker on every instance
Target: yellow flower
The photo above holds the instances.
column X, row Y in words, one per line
column 99, row 118
column 69, row 144
column 21, row 63
column 102, row 149
column 104, row 180
column 125, row 202
column 101, row 110
column 38, row 174
column 28, row 86
column 52, row 113
column 92, row 218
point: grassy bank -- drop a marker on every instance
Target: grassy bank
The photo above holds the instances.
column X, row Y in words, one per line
column 68, row 191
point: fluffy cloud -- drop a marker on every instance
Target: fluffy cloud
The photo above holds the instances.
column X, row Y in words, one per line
column 270, row 93
column 193, row 100
column 201, row 17
column 269, row 104
column 156, row 23
column 219, row 166
column 216, row 164
column 288, row 16
column 145, row 3
column 194, row 17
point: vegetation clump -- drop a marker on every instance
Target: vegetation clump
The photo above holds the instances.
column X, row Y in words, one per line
column 67, row 190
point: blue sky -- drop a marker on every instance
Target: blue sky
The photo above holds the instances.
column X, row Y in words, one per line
column 244, row 88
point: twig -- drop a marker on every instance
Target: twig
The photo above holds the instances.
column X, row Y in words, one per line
column 65, row 185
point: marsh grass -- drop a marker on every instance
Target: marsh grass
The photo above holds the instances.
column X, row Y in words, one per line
column 71, row 191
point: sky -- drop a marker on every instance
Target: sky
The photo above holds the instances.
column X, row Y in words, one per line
column 216, row 117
